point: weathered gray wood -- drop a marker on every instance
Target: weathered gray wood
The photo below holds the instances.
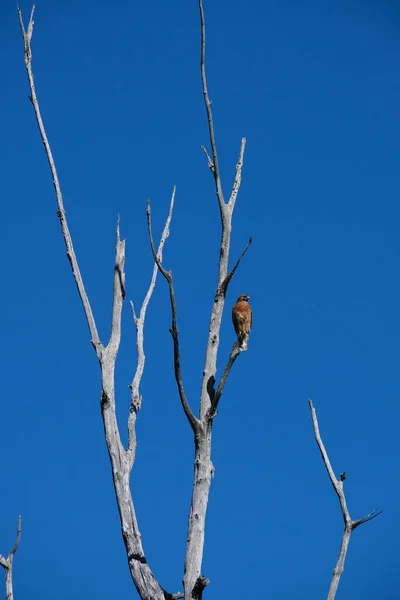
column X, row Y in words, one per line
column 349, row 525
column 121, row 459
column 193, row 581
column 7, row 564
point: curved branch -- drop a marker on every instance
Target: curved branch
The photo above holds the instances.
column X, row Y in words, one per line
column 194, row 422
column 349, row 525
column 27, row 36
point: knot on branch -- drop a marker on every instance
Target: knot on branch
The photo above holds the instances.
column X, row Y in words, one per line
column 199, row 586
column 104, row 400
column 136, row 401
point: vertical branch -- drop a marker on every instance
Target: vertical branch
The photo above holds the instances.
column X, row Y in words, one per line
column 118, row 296
column 349, row 525
column 213, row 165
column 7, row 563
column 194, row 582
column 226, row 211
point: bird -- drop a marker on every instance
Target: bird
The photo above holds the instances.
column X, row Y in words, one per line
column 242, row 318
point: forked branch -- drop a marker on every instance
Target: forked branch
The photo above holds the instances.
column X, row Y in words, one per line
column 194, row 422
column 349, row 525
column 7, row 563
column 121, row 459
column 136, row 398
column 193, row 579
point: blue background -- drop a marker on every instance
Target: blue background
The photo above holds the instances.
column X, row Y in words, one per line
column 315, row 88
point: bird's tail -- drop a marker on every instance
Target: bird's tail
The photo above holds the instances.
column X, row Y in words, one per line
column 243, row 342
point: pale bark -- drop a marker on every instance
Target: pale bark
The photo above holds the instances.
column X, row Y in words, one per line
column 194, row 582
column 7, row 564
column 349, row 525
column 121, row 459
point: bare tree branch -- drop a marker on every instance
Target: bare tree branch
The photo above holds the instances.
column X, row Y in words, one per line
column 7, row 563
column 228, row 278
column 349, row 525
column 27, row 36
column 375, row 513
column 119, row 295
column 194, row 422
column 337, row 485
column 136, row 399
column 17, row 540
column 232, row 357
column 214, row 168
column 209, row 161
column 238, row 175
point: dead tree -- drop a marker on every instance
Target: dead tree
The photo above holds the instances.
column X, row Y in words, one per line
column 121, row 458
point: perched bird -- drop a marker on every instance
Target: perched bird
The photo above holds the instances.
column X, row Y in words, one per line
column 242, row 318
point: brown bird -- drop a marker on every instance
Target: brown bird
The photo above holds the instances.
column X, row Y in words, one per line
column 242, row 318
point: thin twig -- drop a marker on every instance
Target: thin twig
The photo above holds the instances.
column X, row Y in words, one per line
column 136, row 398
column 215, row 169
column 349, row 525
column 232, row 357
column 27, row 36
column 194, row 422
column 225, row 283
column 375, row 513
column 209, row 161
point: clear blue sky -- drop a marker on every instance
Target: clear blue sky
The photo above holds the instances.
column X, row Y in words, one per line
column 315, row 88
